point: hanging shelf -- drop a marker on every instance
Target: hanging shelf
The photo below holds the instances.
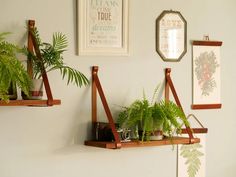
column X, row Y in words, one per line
column 96, row 87
column 33, row 47
column 165, row 141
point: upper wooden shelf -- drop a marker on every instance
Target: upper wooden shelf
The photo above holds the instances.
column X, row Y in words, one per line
column 165, row 141
column 29, row 103
column 34, row 48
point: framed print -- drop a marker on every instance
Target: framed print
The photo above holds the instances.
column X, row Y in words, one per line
column 103, row 27
column 206, row 74
column 171, row 36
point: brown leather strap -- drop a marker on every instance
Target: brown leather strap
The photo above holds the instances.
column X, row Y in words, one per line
column 31, row 24
column 39, row 56
column 171, row 86
column 106, row 107
column 94, row 95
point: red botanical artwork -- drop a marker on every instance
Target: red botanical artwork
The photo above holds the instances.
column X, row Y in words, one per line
column 205, row 68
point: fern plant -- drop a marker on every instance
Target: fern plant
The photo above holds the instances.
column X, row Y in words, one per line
column 151, row 117
column 138, row 114
column 12, row 72
column 52, row 59
column 172, row 116
column 192, row 155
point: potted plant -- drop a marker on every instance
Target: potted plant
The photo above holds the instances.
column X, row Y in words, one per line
column 135, row 117
column 12, row 72
column 152, row 119
column 52, row 59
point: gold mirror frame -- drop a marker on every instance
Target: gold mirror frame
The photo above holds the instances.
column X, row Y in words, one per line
column 171, row 36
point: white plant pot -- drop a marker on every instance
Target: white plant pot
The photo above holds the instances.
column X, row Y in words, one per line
column 36, row 92
column 158, row 135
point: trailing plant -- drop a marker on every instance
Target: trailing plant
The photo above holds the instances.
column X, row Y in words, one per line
column 192, row 155
column 12, row 72
column 172, row 116
column 52, row 59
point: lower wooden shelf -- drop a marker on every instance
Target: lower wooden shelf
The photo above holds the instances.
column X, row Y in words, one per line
column 29, row 103
column 165, row 141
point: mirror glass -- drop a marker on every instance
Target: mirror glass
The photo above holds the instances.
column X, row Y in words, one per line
column 171, row 36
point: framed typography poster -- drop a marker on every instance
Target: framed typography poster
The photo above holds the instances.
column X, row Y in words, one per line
column 206, row 75
column 103, row 27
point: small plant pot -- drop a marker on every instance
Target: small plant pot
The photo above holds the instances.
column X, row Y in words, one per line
column 151, row 136
column 156, row 135
column 36, row 92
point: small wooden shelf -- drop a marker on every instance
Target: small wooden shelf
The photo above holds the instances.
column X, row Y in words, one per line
column 29, row 103
column 165, row 141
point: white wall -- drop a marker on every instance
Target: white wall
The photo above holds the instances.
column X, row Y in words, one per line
column 48, row 142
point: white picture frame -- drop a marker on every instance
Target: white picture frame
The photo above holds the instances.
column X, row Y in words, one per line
column 103, row 27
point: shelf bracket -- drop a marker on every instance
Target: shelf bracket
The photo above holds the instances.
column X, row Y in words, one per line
column 33, row 47
column 96, row 86
column 170, row 86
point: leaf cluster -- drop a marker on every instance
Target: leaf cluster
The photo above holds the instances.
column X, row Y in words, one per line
column 192, row 155
column 11, row 69
column 172, row 117
column 52, row 59
column 139, row 113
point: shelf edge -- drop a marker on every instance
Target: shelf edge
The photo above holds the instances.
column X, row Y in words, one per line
column 29, row 102
column 111, row 145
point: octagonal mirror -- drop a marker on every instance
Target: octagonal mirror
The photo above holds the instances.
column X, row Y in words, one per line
column 171, row 36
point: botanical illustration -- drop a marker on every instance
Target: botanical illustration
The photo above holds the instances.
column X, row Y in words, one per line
column 192, row 154
column 205, row 68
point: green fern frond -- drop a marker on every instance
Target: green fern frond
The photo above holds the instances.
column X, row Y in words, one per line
column 3, row 35
column 11, row 69
column 192, row 155
column 171, row 114
column 155, row 93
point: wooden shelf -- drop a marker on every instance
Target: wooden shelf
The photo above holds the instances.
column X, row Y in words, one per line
column 206, row 106
column 116, row 144
column 165, row 141
column 29, row 103
column 195, row 130
column 34, row 48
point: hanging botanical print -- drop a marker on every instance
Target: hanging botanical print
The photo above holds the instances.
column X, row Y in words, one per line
column 192, row 159
column 206, row 74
